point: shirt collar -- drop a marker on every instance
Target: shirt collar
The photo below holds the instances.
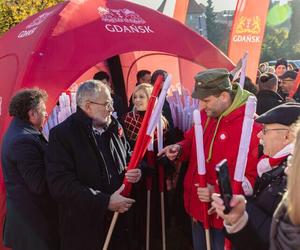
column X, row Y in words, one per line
column 98, row 131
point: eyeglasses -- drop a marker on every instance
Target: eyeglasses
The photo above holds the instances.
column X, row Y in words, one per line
column 265, row 130
column 108, row 105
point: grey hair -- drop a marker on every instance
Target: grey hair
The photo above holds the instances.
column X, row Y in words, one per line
column 89, row 90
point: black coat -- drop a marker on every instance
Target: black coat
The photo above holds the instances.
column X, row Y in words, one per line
column 266, row 100
column 268, row 192
column 119, row 107
column 31, row 219
column 75, row 165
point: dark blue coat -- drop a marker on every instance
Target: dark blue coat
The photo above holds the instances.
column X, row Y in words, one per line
column 31, row 220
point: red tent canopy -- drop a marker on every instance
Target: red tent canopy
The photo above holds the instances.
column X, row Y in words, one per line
column 54, row 47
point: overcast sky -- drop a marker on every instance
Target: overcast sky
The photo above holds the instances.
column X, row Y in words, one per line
column 221, row 4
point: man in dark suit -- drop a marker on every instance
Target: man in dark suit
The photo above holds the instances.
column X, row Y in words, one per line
column 86, row 161
column 31, row 220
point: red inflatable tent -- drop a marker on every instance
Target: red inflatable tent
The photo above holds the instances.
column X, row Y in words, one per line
column 56, row 46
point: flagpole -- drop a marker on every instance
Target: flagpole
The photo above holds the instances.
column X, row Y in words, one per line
column 138, row 152
column 144, row 136
column 110, row 230
column 148, row 220
column 201, row 171
column 151, row 162
column 161, row 183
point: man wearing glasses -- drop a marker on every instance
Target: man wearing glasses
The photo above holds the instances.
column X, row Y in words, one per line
column 248, row 225
column 287, row 85
column 86, row 162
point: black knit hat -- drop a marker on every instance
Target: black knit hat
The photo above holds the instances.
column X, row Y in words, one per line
column 281, row 61
column 285, row 114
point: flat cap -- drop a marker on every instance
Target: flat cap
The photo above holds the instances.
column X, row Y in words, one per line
column 289, row 74
column 211, row 82
column 285, row 114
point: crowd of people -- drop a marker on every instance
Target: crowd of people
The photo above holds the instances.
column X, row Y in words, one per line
column 62, row 191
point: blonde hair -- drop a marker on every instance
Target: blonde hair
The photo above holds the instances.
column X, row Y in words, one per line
column 293, row 186
column 146, row 87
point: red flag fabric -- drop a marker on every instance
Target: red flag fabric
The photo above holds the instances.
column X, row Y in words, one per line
column 296, row 85
column 143, row 139
column 56, row 46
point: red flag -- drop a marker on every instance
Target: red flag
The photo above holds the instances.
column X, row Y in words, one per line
column 142, row 139
column 296, row 85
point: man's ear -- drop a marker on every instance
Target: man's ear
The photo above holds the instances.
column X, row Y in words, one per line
column 86, row 107
column 290, row 136
column 225, row 96
column 31, row 115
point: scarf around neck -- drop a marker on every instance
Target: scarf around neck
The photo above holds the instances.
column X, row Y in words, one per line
column 268, row 163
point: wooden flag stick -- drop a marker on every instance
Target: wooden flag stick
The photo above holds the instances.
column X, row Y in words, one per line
column 148, row 220
column 110, row 231
column 161, row 182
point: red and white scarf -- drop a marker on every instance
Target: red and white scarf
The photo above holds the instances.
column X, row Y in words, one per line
column 268, row 163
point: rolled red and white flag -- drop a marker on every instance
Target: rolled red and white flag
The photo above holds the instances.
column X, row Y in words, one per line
column 241, row 162
column 201, row 162
column 140, row 147
column 148, row 125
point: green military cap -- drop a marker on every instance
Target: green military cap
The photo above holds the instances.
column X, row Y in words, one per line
column 211, row 82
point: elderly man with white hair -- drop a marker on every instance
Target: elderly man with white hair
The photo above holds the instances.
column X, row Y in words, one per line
column 86, row 162
column 248, row 225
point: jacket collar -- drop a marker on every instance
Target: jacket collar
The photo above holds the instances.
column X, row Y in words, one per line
column 83, row 118
column 26, row 125
column 267, row 92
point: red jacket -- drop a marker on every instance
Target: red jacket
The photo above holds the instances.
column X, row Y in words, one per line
column 225, row 145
